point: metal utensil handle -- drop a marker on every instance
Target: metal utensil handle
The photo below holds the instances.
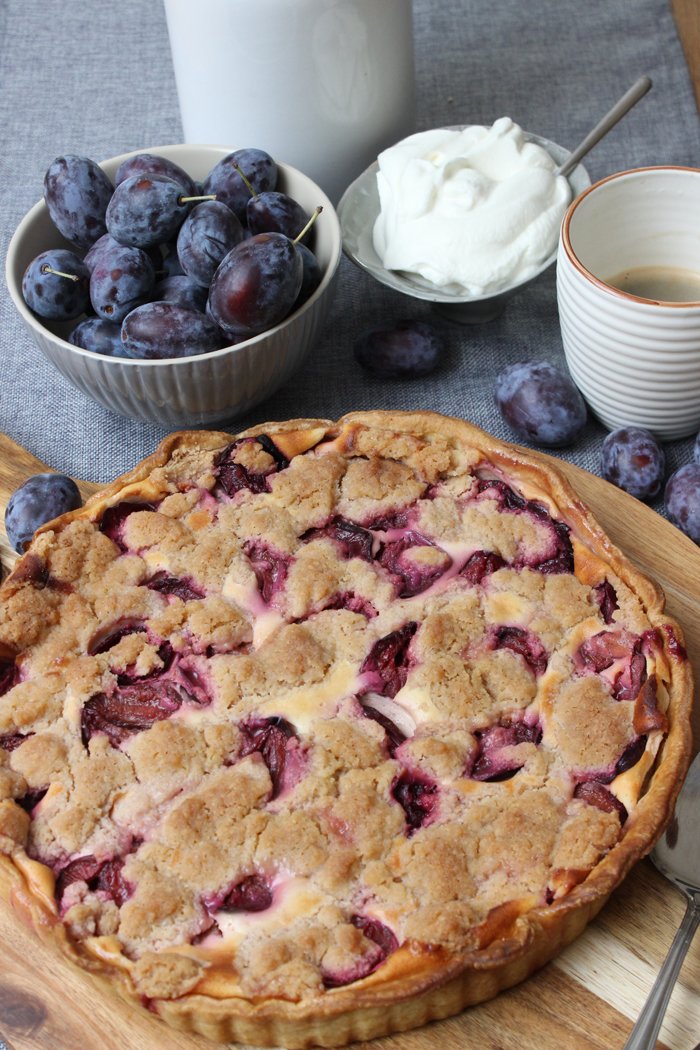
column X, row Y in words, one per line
column 643, row 1035
column 629, row 99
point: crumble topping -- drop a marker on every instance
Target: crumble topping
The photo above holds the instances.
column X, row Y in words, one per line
column 296, row 708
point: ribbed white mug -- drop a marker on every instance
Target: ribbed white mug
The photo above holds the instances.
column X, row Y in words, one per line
column 323, row 85
column 635, row 359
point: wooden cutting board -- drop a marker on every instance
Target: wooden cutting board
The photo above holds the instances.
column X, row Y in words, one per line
column 586, row 999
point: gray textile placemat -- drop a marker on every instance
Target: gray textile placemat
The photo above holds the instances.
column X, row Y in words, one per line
column 97, row 80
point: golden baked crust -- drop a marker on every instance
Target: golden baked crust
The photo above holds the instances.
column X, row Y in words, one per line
column 331, row 729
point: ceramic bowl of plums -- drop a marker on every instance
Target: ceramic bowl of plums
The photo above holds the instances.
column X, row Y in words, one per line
column 462, row 217
column 181, row 284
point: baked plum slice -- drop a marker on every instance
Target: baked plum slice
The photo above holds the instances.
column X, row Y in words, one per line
column 271, row 738
column 103, row 876
column 190, row 683
column 10, row 741
column 560, row 556
column 629, row 757
column 417, row 796
column 252, row 893
column 114, row 519
column 352, row 540
column 606, row 599
column 9, row 674
column 384, row 943
column 596, row 794
column 413, row 577
column 185, row 589
column 232, row 477
column 492, row 762
column 593, row 789
column 31, row 799
column 524, row 643
column 388, row 661
column 107, row 637
column 270, row 568
column 129, row 709
column 393, row 519
column 632, row 677
column 606, row 648
column 166, row 655
column 353, row 603
column 33, row 570
column 480, row 565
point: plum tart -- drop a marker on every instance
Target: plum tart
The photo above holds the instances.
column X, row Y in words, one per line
column 327, row 730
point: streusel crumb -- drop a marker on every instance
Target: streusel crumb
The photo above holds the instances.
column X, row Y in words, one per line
column 301, row 700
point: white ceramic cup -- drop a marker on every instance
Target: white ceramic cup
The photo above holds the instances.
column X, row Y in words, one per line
column 323, row 85
column 635, row 359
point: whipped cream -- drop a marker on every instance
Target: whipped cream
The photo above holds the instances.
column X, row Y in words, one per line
column 470, row 212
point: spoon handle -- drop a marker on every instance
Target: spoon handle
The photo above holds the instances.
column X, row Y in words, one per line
column 643, row 1035
column 629, row 99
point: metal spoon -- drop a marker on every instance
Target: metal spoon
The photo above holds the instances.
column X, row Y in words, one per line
column 677, row 856
column 629, row 99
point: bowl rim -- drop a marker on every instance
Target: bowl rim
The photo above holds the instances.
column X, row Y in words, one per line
column 433, row 294
column 33, row 322
column 587, row 274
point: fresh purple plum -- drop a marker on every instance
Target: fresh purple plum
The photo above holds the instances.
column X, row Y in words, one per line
column 274, row 212
column 409, row 348
column 208, row 233
column 256, row 285
column 182, row 291
column 225, row 181
column 41, row 498
column 312, row 276
column 150, row 164
column 122, row 279
column 682, row 499
column 77, row 192
column 166, row 262
column 103, row 244
column 696, row 449
column 98, row 336
column 56, row 285
column 540, row 403
column 107, row 243
column 632, row 459
column 146, row 210
column 164, row 330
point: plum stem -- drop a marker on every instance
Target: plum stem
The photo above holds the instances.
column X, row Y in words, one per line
column 202, row 197
column 309, row 224
column 246, row 180
column 59, row 273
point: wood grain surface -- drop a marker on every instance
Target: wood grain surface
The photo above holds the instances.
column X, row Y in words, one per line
column 687, row 15
column 587, row 999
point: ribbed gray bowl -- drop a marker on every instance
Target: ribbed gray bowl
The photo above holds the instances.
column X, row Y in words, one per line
column 192, row 391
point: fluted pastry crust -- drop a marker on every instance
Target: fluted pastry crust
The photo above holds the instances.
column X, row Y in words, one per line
column 330, row 729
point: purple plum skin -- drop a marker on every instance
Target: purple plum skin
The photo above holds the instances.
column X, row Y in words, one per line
column 633, row 459
column 682, row 499
column 540, row 403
